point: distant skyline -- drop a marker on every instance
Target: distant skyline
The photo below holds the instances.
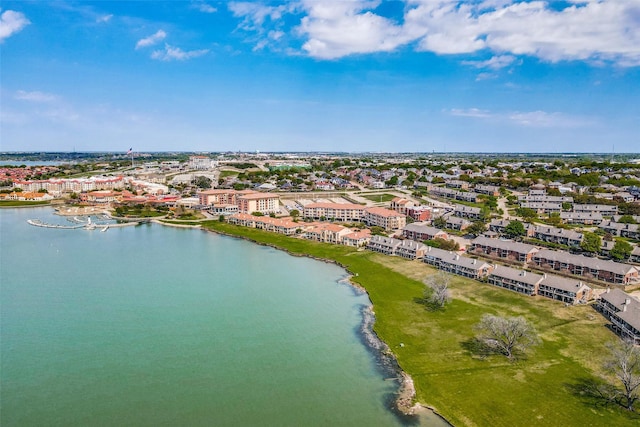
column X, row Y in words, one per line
column 316, row 75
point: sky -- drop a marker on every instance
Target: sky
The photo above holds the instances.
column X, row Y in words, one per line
column 320, row 75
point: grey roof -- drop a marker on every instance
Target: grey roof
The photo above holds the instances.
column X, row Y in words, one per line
column 438, row 253
column 411, row 244
column 463, row 261
column 580, row 260
column 508, row 245
column 563, row 283
column 617, row 298
column 384, row 241
column 554, row 231
column 417, row 227
column 463, row 208
column 457, row 220
column 516, row 275
column 596, row 216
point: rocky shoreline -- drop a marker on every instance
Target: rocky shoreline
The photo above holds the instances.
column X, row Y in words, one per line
column 403, row 404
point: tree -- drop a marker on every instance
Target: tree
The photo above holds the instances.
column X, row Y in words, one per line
column 295, row 213
column 478, row 227
column 506, row 335
column 527, row 213
column 627, row 219
column 202, row 182
column 621, row 250
column 437, row 292
column 591, row 242
column 515, row 229
column 439, row 222
column 624, row 364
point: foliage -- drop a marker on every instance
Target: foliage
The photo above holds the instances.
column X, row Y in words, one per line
column 627, row 219
column 478, row 227
column 439, row 222
column 621, row 250
column 437, row 293
column 202, row 182
column 439, row 242
column 624, row 364
column 527, row 213
column 376, row 230
column 591, row 242
column 257, row 213
column 506, row 335
column 515, row 229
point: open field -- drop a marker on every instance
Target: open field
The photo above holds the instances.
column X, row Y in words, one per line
column 382, row 198
column 465, row 388
column 18, row 203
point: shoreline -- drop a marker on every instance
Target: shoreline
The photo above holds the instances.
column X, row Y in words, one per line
column 404, row 404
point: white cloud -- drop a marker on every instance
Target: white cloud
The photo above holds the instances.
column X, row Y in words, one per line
column 538, row 119
column 494, row 63
column 470, row 112
column 152, row 39
column 35, row 96
column 11, row 22
column 203, row 7
column 585, row 30
column 171, row 53
column 104, row 18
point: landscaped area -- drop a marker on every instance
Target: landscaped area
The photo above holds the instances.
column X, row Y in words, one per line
column 382, row 198
column 436, row 347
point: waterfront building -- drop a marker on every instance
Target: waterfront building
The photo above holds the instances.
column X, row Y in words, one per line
column 623, row 310
column 516, row 280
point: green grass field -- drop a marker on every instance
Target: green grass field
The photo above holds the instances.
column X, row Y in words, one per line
column 466, row 388
column 16, row 203
column 379, row 197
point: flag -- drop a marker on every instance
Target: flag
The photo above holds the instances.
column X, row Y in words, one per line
column 130, row 151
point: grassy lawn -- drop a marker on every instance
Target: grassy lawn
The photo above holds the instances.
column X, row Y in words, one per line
column 465, row 388
column 224, row 174
column 379, row 197
column 14, row 203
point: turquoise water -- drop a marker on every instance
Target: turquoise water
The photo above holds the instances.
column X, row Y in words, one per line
column 154, row 325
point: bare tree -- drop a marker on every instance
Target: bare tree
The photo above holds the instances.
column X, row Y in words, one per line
column 624, row 364
column 506, row 335
column 437, row 292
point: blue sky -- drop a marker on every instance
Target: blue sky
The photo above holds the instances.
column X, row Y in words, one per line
column 321, row 75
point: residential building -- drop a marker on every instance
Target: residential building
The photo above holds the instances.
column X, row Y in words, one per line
column 265, row 203
column 346, row 212
column 357, row 239
column 385, row 218
column 516, row 280
column 464, row 266
column 382, row 244
column 569, row 291
column 327, row 233
column 411, row 249
column 455, row 223
column 506, row 249
column 604, row 210
column 587, row 218
column 470, row 212
column 631, row 231
column 591, row 268
column 543, row 207
column 490, row 190
column 420, row 231
column 623, row 310
column 558, row 235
